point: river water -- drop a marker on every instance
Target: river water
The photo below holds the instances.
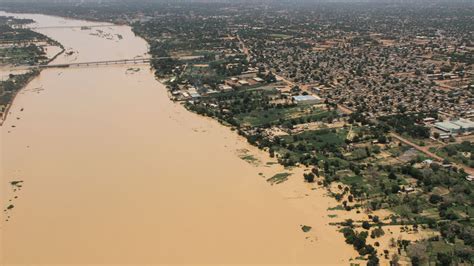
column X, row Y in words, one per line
column 114, row 172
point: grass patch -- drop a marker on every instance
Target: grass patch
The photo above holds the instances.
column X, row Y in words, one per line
column 318, row 138
column 249, row 158
column 336, row 208
column 278, row 178
column 352, row 180
column 274, row 115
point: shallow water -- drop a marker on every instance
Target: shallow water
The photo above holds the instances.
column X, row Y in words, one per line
column 114, row 172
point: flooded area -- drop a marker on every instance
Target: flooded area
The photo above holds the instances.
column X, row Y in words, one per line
column 114, row 172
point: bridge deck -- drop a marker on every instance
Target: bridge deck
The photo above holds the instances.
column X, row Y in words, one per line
column 91, row 63
column 105, row 62
column 71, row 27
column 97, row 63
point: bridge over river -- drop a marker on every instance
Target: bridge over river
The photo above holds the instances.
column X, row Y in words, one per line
column 131, row 61
column 69, row 26
column 103, row 63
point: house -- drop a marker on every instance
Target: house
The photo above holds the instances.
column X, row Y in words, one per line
column 464, row 124
column 307, row 99
column 211, row 91
column 445, row 137
column 429, row 120
column 447, row 127
column 315, row 89
column 456, row 126
column 259, row 80
column 193, row 92
column 243, row 82
column 224, row 87
column 427, row 162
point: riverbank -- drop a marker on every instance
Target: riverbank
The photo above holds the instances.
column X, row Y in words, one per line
column 5, row 113
column 30, row 76
column 172, row 189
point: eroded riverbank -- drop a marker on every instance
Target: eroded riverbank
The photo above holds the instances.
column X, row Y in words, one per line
column 114, row 172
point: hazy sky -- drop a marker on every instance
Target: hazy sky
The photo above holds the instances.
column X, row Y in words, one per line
column 210, row 1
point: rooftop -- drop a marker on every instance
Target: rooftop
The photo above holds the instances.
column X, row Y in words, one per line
column 464, row 123
column 306, row 98
column 447, row 125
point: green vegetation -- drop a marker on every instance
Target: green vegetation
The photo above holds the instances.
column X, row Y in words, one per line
column 285, row 116
column 352, row 55
column 309, row 147
column 278, row 178
column 258, row 108
column 249, row 158
column 437, row 252
column 306, row 228
column 309, row 177
column 28, row 55
column 16, row 183
column 358, row 240
column 19, row 47
column 460, row 153
column 408, row 124
column 12, row 85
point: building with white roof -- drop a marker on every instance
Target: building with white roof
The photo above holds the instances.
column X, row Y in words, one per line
column 456, row 126
column 307, row 99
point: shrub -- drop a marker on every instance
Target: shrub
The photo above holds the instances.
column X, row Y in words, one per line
column 309, row 177
column 435, row 199
column 366, row 225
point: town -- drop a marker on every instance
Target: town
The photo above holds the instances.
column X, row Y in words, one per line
column 375, row 101
column 377, row 104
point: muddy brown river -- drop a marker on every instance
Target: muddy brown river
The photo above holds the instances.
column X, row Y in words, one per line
column 115, row 173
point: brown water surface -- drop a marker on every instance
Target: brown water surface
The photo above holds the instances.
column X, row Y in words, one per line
column 114, row 172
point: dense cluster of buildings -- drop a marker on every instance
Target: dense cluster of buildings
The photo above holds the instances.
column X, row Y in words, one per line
column 372, row 68
column 367, row 71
